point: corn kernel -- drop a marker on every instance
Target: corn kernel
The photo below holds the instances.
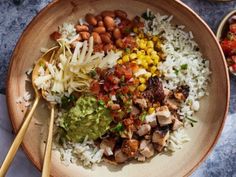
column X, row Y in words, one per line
column 153, row 69
column 147, row 75
column 125, row 58
column 143, row 52
column 142, row 87
column 150, row 44
column 135, row 29
column 155, row 38
column 142, row 80
column 149, row 51
column 133, row 56
column 119, row 61
column 148, row 59
column 151, row 110
column 139, row 61
column 155, row 58
column 154, row 52
column 144, row 64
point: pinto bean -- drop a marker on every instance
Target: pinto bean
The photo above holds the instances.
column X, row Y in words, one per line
column 108, row 47
column 108, row 13
column 109, row 23
column 100, row 23
column 84, row 35
column 96, row 38
column 120, row 43
column 117, row 33
column 100, row 29
column 90, row 19
column 98, row 17
column 80, row 28
column 121, row 14
column 105, row 38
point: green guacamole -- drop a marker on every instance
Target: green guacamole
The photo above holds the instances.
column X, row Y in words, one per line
column 88, row 117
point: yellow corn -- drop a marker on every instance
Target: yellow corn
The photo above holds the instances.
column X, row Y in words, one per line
column 153, row 69
column 125, row 58
column 144, row 64
column 119, row 61
column 133, row 56
column 147, row 75
column 155, row 38
column 150, row 51
column 151, row 110
column 148, row 59
column 135, row 29
column 150, row 44
column 142, row 80
column 142, row 87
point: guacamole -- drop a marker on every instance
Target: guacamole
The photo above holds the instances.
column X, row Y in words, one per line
column 88, row 117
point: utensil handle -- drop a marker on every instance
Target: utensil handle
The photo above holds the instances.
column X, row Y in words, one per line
column 17, row 141
column 48, row 149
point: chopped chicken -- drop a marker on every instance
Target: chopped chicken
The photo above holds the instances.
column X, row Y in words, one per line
column 120, row 157
column 141, row 158
column 144, row 129
column 171, row 104
column 141, row 102
column 163, row 111
column 130, row 147
column 167, row 92
column 176, row 123
column 151, row 119
column 158, row 147
column 163, row 116
column 160, row 137
column 108, row 146
column 146, row 148
column 135, row 111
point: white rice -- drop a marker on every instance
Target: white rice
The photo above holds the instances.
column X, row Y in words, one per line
column 181, row 50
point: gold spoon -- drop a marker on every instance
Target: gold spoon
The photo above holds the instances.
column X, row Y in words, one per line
column 20, row 135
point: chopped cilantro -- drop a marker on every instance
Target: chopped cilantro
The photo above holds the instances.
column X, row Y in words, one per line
column 100, row 102
column 92, row 73
column 184, row 66
column 119, row 127
column 65, row 101
column 176, row 71
column 191, row 120
column 127, row 50
column 147, row 16
column 142, row 117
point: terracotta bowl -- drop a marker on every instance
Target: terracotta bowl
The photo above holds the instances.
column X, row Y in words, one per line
column 211, row 115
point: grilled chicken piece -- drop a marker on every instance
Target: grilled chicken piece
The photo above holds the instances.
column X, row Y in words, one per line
column 158, row 147
column 167, row 92
column 151, row 119
column 130, row 147
column 160, row 136
column 176, row 123
column 146, row 148
column 182, row 92
column 108, row 146
column 163, row 116
column 135, row 111
column 144, row 129
column 171, row 104
column 141, row 102
column 120, row 157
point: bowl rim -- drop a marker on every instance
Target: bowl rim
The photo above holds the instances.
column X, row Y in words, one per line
column 222, row 23
column 53, row 3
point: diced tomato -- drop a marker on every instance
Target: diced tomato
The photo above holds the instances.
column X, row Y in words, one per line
column 128, row 74
column 233, row 58
column 134, row 67
column 125, row 89
column 113, row 79
column 95, row 87
column 228, row 46
column 233, row 67
column 55, row 35
column 232, row 28
column 119, row 71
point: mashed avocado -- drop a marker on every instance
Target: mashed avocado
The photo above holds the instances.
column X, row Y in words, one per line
column 88, row 117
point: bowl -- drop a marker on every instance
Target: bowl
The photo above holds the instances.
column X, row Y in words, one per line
column 224, row 25
column 204, row 134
